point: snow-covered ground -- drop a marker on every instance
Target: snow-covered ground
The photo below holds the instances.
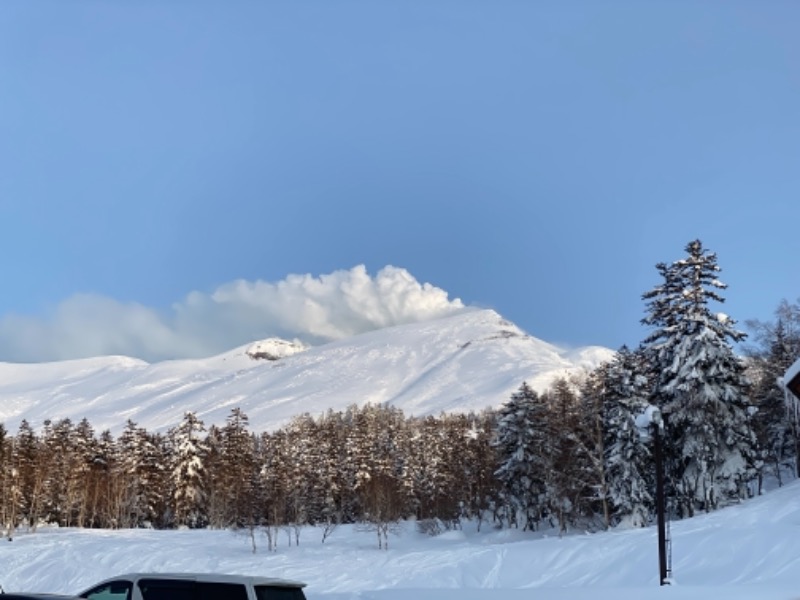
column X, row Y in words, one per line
column 748, row 551
column 469, row 361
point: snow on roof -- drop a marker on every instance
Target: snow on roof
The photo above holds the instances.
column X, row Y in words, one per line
column 792, row 378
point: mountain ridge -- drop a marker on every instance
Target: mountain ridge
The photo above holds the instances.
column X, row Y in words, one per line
column 467, row 361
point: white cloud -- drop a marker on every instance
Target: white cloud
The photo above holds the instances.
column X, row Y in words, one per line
column 314, row 309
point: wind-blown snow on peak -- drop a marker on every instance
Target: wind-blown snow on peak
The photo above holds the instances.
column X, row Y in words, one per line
column 274, row 349
column 467, row 361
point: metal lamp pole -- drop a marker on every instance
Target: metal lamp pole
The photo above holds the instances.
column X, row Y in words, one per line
column 660, row 504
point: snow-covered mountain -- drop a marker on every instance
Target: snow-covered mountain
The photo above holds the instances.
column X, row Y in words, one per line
column 463, row 362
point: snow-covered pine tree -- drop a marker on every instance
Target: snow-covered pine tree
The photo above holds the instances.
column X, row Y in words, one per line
column 188, row 472
column 592, row 403
column 130, row 448
column 521, row 442
column 700, row 385
column 239, row 470
column 380, row 486
column 454, row 472
column 567, row 480
column 216, row 492
column 420, row 473
column 86, row 449
column 63, row 488
column 304, row 486
column 435, row 469
column 54, row 450
column 107, row 484
column 144, row 459
column 6, row 482
column 332, row 504
column 479, row 466
column 273, row 480
column 629, row 466
column 432, row 469
column 27, row 459
column 776, row 422
column 353, row 463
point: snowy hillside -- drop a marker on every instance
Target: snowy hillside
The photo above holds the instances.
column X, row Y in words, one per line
column 748, row 551
column 464, row 362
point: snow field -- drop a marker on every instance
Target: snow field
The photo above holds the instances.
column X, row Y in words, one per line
column 750, row 551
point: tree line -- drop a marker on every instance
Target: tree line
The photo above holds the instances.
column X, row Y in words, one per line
column 369, row 464
column 578, row 454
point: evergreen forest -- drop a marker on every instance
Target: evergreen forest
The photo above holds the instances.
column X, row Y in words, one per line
column 577, row 455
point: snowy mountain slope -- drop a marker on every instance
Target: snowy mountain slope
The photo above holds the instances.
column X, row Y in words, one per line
column 749, row 551
column 464, row 362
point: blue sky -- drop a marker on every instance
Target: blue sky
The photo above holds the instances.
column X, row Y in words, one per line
column 537, row 158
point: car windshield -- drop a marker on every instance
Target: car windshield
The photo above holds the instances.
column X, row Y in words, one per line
column 113, row 590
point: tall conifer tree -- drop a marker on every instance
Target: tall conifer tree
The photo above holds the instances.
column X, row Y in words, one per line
column 776, row 423
column 522, row 443
column 699, row 384
column 188, row 472
column 627, row 451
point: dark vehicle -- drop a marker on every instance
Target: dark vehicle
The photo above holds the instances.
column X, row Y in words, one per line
column 21, row 596
column 194, row 586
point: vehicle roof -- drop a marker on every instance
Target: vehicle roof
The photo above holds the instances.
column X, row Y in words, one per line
column 26, row 596
column 217, row 577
